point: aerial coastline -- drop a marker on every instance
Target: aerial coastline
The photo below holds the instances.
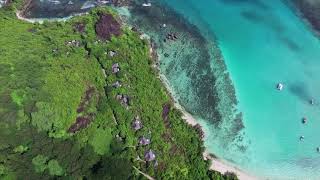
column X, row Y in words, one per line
column 87, row 118
column 162, row 54
column 164, row 88
column 220, row 166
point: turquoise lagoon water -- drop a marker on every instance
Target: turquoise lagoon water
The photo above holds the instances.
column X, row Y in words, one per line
column 264, row 43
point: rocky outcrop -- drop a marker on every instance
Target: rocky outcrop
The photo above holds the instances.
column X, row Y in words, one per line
column 165, row 115
column 79, row 27
column 84, row 119
column 107, row 26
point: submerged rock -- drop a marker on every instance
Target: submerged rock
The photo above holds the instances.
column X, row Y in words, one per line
column 311, row 11
column 121, row 2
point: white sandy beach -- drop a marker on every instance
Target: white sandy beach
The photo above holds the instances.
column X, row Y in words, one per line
column 41, row 20
column 217, row 164
column 223, row 167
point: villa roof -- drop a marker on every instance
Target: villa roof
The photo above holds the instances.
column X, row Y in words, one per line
column 136, row 125
column 124, row 99
column 116, row 84
column 144, row 141
column 115, row 68
column 149, row 155
column 112, row 53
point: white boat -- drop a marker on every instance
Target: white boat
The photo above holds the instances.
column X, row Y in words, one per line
column 56, row 2
column 279, row 86
column 312, row 101
column 146, row 4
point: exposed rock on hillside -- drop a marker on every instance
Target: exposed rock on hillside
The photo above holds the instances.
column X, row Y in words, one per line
column 107, row 26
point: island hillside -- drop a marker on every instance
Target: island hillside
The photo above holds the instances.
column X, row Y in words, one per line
column 81, row 100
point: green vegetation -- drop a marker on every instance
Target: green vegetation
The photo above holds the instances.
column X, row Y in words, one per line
column 40, row 163
column 53, row 78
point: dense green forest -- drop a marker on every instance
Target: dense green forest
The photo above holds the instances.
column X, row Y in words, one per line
column 80, row 100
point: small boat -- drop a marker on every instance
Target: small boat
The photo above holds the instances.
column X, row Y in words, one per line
column 304, row 120
column 146, row 4
column 318, row 149
column 280, row 86
column 312, row 101
column 301, row 138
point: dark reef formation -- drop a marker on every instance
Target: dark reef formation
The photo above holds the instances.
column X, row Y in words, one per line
column 310, row 10
column 197, row 68
column 121, row 2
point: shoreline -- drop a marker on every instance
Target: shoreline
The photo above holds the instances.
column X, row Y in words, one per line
column 224, row 167
column 215, row 163
column 41, row 20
